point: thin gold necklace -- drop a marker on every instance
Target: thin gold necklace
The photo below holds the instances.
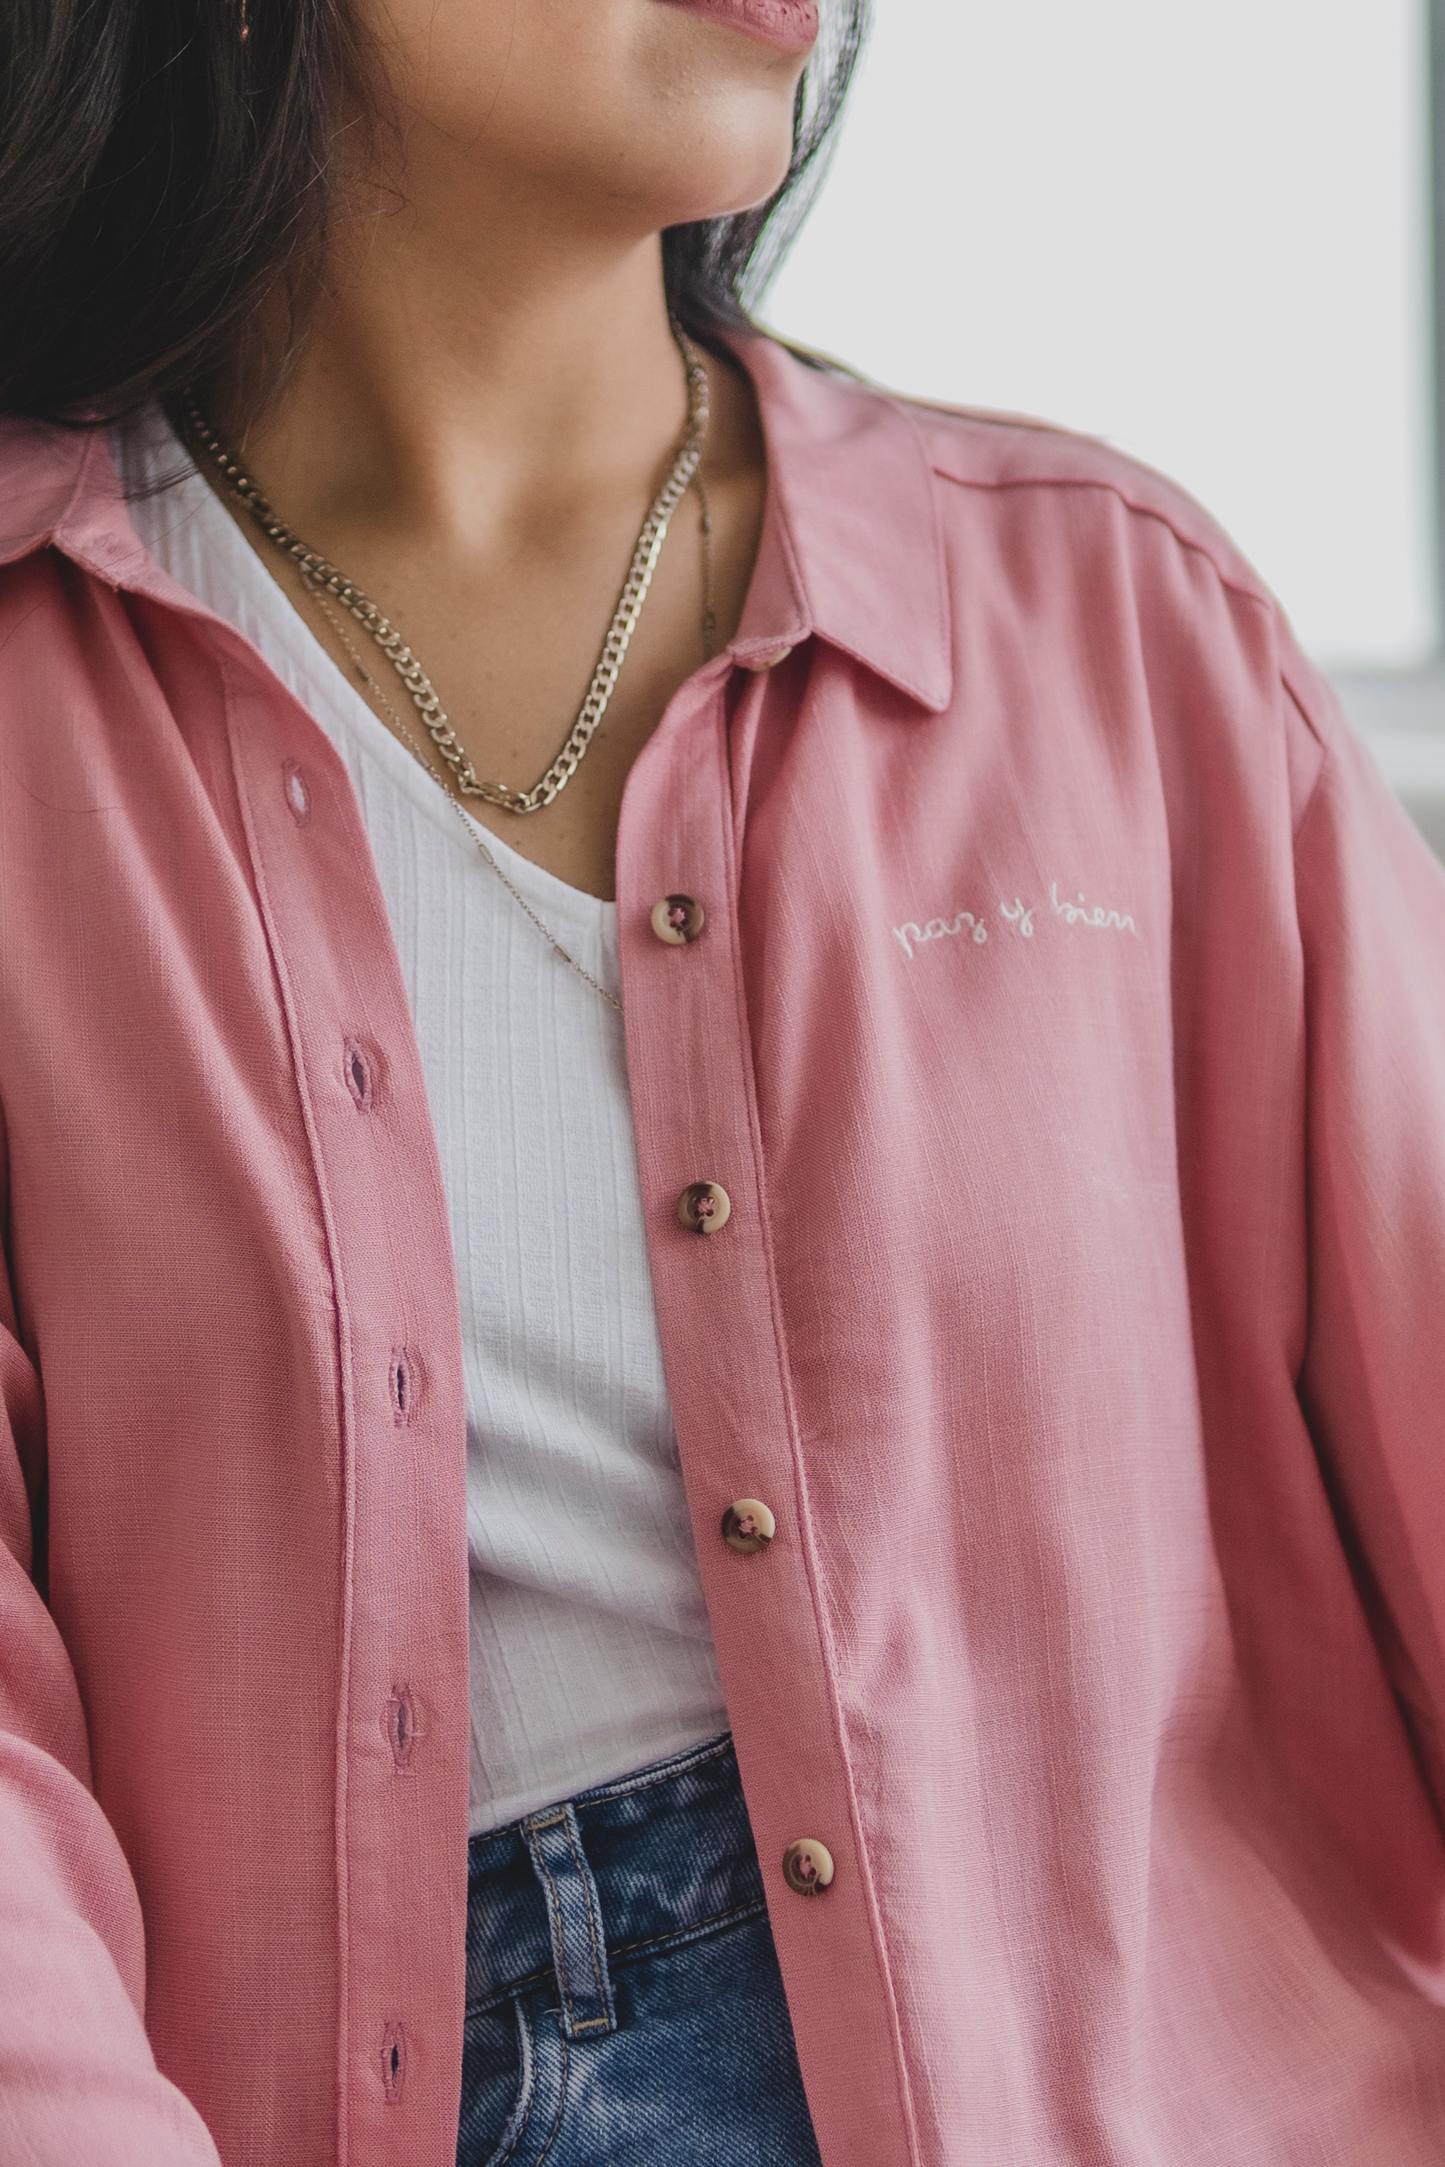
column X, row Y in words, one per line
column 471, row 827
column 319, row 578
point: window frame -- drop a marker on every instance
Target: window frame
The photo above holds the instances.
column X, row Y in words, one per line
column 1401, row 713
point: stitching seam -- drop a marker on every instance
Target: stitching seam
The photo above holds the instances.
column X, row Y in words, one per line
column 561, row 2103
column 599, row 1980
column 559, row 1932
column 1229, row 580
column 727, row 816
column 344, row 1399
column 679, row 1937
column 510, row 2152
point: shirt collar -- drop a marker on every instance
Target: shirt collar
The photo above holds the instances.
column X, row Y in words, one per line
column 851, row 548
column 59, row 487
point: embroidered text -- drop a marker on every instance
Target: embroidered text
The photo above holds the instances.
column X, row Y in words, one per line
column 1080, row 914
column 912, row 936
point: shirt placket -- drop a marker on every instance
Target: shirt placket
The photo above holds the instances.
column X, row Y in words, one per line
column 706, row 1204
column 401, row 1795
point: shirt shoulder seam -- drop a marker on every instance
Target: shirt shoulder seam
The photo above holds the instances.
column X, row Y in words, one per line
column 1232, row 582
column 1328, row 760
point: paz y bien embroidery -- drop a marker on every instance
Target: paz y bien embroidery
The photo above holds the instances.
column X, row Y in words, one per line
column 910, row 936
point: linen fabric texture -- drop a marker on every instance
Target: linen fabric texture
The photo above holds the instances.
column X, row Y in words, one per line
column 590, row 1649
column 1068, row 1031
column 623, row 1994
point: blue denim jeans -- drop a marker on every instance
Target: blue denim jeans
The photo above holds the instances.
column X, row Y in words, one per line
column 623, row 1996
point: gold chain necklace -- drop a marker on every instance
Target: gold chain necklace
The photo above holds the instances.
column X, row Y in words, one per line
column 320, row 578
column 324, row 574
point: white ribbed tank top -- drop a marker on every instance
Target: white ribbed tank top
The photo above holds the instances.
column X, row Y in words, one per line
column 590, row 1648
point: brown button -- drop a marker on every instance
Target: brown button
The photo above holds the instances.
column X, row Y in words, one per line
column 748, row 1526
column 807, row 1866
column 769, row 662
column 704, row 1208
column 677, row 919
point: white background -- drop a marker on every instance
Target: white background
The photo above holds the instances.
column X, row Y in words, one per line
column 1201, row 232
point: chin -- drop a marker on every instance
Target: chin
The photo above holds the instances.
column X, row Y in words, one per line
column 717, row 188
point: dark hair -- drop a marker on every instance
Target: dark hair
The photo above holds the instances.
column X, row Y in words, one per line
column 164, row 163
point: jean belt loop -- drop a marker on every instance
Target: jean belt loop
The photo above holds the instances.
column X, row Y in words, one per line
column 574, row 1916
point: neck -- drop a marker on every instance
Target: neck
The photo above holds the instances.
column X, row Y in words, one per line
column 452, row 390
column 473, row 431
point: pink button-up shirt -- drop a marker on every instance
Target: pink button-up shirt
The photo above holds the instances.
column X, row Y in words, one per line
column 1068, row 1031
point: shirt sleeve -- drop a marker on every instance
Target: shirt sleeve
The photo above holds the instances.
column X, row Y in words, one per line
column 1371, row 906
column 78, row 2081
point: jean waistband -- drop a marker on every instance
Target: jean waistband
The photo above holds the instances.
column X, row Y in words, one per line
column 611, row 1874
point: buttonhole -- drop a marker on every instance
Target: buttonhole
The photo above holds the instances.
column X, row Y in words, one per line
column 404, row 1387
column 359, row 1079
column 298, row 797
column 393, row 2063
column 402, row 1730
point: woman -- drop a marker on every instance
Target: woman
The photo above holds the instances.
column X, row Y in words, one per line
column 967, row 1360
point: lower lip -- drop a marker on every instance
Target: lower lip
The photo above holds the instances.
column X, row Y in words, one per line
column 791, row 26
